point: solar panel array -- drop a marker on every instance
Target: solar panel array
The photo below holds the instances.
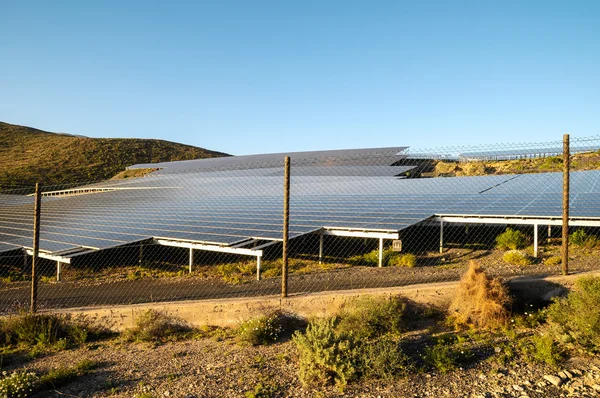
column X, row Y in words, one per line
column 226, row 207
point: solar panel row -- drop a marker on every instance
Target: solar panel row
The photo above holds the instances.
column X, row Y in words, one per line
column 223, row 208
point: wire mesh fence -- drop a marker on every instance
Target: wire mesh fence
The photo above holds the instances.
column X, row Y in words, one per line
column 358, row 219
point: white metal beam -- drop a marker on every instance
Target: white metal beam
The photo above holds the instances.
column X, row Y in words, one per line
column 515, row 220
column 361, row 233
column 211, row 248
column 47, row 256
column 258, row 265
column 191, row 264
column 321, row 247
column 441, row 237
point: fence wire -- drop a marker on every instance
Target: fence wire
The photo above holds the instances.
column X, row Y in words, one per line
column 358, row 219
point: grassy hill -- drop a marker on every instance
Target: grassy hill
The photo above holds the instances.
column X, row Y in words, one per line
column 28, row 155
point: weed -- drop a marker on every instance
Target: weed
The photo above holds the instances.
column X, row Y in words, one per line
column 325, row 356
column 441, row 357
column 266, row 329
column 544, row 349
column 516, row 257
column 368, row 317
column 582, row 239
column 382, row 359
column 372, row 258
column 480, row 300
column 49, row 331
column 554, row 260
column 576, row 318
column 156, row 326
column 63, row 375
column 17, row 384
column 511, row 240
column 405, row 260
column 265, row 388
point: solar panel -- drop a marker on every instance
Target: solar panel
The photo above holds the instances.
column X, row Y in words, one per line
column 225, row 207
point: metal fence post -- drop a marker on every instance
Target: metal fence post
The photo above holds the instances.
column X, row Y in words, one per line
column 565, row 213
column 286, row 226
column 36, row 244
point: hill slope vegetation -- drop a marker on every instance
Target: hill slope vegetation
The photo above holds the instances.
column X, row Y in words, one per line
column 28, row 155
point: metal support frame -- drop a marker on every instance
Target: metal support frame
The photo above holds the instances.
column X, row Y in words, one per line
column 214, row 248
column 321, row 247
column 191, row 262
column 441, row 237
column 380, row 252
column 58, row 271
column 535, row 240
column 549, row 233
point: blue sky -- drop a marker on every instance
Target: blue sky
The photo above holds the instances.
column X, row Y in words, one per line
column 268, row 76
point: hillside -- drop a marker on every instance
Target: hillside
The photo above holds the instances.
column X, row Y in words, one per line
column 28, row 155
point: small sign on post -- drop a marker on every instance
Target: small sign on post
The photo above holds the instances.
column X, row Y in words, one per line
column 397, row 245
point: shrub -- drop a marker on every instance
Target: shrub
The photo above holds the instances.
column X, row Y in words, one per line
column 155, row 326
column 444, row 168
column 480, row 300
column 382, row 359
column 372, row 258
column 576, row 318
column 266, row 329
column 516, row 257
column 325, row 356
column 368, row 317
column 49, row 330
column 17, row 384
column 554, row 260
column 511, row 240
column 405, row 260
column 441, row 357
column 582, row 239
column 578, row 237
column 544, row 349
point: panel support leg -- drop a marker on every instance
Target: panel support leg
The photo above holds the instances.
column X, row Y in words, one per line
column 441, row 237
column 258, row 264
column 141, row 254
column 58, row 271
column 535, row 240
column 191, row 262
column 380, row 252
column 549, row 233
column 321, row 248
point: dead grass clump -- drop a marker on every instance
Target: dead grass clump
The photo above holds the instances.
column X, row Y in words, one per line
column 480, row 301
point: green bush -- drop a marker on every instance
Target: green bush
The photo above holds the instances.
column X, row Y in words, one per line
column 367, row 317
column 511, row 240
column 325, row 355
column 156, row 326
column 372, row 258
column 49, row 330
column 578, row 237
column 544, row 349
column 576, row 318
column 442, row 357
column 554, row 260
column 582, row 239
column 382, row 359
column 17, row 384
column 405, row 260
column 516, row 257
column 268, row 328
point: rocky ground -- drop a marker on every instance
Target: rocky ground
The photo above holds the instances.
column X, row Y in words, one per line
column 210, row 368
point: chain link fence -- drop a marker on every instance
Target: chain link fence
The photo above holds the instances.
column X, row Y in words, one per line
column 358, row 219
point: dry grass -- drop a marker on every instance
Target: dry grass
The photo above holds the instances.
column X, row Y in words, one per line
column 133, row 173
column 480, row 301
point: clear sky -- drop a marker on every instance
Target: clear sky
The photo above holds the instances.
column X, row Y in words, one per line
column 268, row 76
